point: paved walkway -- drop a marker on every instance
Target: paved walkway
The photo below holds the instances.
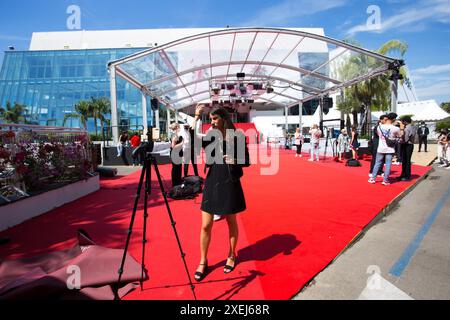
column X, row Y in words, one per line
column 406, row 255
column 424, row 158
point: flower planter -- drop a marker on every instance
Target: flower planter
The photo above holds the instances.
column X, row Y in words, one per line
column 17, row 212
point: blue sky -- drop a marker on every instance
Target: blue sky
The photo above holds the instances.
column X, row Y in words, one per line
column 423, row 24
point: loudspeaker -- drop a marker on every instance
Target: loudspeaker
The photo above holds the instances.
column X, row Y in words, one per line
column 155, row 104
column 107, row 172
column 327, row 104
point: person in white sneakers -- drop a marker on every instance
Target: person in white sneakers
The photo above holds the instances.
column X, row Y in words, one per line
column 443, row 143
column 389, row 135
column 315, row 133
column 343, row 144
column 298, row 142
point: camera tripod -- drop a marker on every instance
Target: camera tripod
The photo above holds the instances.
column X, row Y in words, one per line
column 149, row 160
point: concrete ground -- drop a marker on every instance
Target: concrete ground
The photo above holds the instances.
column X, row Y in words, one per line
column 406, row 255
column 424, row 158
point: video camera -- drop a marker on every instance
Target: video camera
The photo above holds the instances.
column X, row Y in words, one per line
column 146, row 147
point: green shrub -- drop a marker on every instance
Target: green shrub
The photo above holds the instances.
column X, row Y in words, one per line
column 442, row 125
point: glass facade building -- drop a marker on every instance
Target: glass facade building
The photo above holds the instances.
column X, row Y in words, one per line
column 50, row 83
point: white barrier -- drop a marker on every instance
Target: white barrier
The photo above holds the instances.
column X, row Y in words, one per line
column 17, row 212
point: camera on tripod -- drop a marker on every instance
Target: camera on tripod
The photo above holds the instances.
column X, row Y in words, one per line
column 146, row 147
column 148, row 160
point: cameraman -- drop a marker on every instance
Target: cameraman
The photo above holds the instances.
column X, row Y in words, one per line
column 135, row 142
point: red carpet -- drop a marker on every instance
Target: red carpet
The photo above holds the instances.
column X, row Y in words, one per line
column 296, row 223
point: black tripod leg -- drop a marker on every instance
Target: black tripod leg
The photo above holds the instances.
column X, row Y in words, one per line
column 130, row 229
column 144, row 232
column 183, row 255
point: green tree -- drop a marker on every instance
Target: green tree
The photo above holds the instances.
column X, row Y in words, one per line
column 446, row 106
column 100, row 107
column 83, row 111
column 14, row 114
column 373, row 94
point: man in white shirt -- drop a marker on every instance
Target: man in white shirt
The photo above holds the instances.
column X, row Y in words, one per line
column 387, row 132
column 315, row 133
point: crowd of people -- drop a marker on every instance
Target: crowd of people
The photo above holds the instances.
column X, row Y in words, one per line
column 391, row 143
column 125, row 142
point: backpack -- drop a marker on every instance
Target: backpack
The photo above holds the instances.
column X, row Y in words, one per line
column 391, row 143
column 182, row 191
column 189, row 188
column 192, row 180
column 353, row 163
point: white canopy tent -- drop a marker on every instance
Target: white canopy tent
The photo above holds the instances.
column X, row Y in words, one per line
column 427, row 111
column 257, row 64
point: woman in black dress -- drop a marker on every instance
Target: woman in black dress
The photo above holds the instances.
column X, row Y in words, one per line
column 354, row 144
column 222, row 194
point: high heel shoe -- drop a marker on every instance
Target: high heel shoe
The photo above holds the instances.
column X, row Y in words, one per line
column 199, row 276
column 228, row 269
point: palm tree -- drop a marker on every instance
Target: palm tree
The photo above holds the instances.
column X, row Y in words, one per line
column 374, row 93
column 100, row 107
column 83, row 111
column 15, row 114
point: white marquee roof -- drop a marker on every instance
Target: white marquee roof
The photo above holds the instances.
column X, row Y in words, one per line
column 427, row 110
column 184, row 72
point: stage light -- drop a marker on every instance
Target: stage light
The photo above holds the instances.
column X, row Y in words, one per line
column 257, row 86
column 240, row 75
column 242, row 89
column 230, row 86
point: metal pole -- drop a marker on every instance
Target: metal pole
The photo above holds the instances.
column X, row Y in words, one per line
column 168, row 121
column 300, row 117
column 113, row 94
column 286, row 113
column 156, row 124
column 144, row 114
column 394, row 97
column 342, row 124
column 321, row 114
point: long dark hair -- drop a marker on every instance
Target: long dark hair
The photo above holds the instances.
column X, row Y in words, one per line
column 225, row 116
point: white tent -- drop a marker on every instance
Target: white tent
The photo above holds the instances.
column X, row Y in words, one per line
column 428, row 111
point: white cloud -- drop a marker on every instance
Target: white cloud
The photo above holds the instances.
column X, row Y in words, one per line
column 13, row 38
column 408, row 19
column 440, row 89
column 290, row 10
column 433, row 69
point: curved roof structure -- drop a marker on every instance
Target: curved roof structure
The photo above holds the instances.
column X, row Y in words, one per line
column 267, row 65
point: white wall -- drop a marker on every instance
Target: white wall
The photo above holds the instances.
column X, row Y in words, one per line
column 142, row 38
